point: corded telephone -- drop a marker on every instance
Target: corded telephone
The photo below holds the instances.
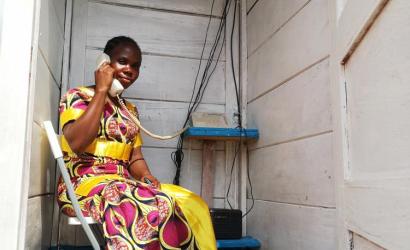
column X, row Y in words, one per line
column 117, row 89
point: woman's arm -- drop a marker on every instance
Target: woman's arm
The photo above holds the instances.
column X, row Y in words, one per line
column 139, row 168
column 83, row 131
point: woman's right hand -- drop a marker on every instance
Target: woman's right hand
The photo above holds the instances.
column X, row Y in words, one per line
column 103, row 77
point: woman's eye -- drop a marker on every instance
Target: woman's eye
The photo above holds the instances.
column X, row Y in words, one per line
column 122, row 61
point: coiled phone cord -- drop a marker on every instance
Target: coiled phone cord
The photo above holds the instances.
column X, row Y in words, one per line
column 138, row 123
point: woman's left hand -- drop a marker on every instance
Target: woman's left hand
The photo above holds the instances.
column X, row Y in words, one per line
column 154, row 181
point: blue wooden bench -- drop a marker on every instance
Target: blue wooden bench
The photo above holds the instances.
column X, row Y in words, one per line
column 246, row 242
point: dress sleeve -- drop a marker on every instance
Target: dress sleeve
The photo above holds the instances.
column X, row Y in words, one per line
column 72, row 105
column 138, row 141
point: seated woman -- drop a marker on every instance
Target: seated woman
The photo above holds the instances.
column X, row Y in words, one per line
column 102, row 152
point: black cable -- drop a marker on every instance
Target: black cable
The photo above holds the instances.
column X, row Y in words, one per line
column 202, row 54
column 178, row 155
column 238, row 101
column 233, row 69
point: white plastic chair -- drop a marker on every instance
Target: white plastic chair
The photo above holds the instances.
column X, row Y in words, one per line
column 58, row 155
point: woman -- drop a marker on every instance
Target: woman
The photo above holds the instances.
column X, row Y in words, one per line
column 102, row 151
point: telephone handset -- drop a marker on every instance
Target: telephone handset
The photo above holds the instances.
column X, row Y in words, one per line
column 116, row 86
column 117, row 89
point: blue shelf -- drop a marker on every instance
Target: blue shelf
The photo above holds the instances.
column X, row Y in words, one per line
column 245, row 242
column 221, row 133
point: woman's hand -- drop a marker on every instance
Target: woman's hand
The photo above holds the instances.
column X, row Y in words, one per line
column 103, row 77
column 154, row 181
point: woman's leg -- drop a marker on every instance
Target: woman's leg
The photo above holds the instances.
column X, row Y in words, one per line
column 135, row 216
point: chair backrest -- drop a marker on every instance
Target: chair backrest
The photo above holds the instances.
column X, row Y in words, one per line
column 58, row 155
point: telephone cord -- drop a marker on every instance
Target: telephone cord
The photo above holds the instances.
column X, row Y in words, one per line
column 138, row 123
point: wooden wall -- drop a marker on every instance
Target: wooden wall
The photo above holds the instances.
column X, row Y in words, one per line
column 47, row 94
column 289, row 102
column 171, row 36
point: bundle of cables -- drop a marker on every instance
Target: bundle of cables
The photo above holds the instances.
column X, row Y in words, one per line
column 178, row 155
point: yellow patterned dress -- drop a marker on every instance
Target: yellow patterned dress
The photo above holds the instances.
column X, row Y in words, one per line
column 134, row 215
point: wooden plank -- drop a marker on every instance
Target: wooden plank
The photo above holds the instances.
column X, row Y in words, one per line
column 67, row 232
column 167, row 78
column 60, row 10
column 47, row 95
column 285, row 226
column 42, row 168
column 189, row 6
column 39, row 222
column 208, row 168
column 78, row 38
column 267, row 17
column 297, row 109
column 366, row 206
column 379, row 135
column 166, row 118
column 243, row 66
column 67, row 47
column 219, row 203
column 303, row 41
column 354, row 21
column 250, row 4
column 156, row 32
column 51, row 39
column 339, row 122
column 231, row 106
column 361, row 243
column 299, row 172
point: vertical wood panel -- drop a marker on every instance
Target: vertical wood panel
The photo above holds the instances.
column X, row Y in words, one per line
column 39, row 222
column 208, row 168
column 361, row 243
column 51, row 39
column 78, row 38
column 267, row 17
column 42, row 168
column 299, row 172
column 60, row 6
column 47, row 95
column 299, row 108
column 284, row 226
column 379, row 96
column 305, row 40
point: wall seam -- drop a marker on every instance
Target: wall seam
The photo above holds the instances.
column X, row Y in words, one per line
column 289, row 79
column 295, row 204
column 293, row 140
column 40, row 195
column 278, row 29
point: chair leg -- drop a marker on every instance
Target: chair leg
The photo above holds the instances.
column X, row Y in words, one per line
column 58, row 230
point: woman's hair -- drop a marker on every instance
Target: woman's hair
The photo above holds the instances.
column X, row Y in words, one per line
column 118, row 40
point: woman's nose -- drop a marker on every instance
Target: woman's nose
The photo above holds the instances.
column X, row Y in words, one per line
column 129, row 71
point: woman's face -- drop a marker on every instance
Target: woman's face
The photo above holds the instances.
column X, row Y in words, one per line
column 126, row 60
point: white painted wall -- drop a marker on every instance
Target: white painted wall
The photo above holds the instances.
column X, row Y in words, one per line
column 291, row 165
column 16, row 33
column 371, row 93
column 46, row 96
